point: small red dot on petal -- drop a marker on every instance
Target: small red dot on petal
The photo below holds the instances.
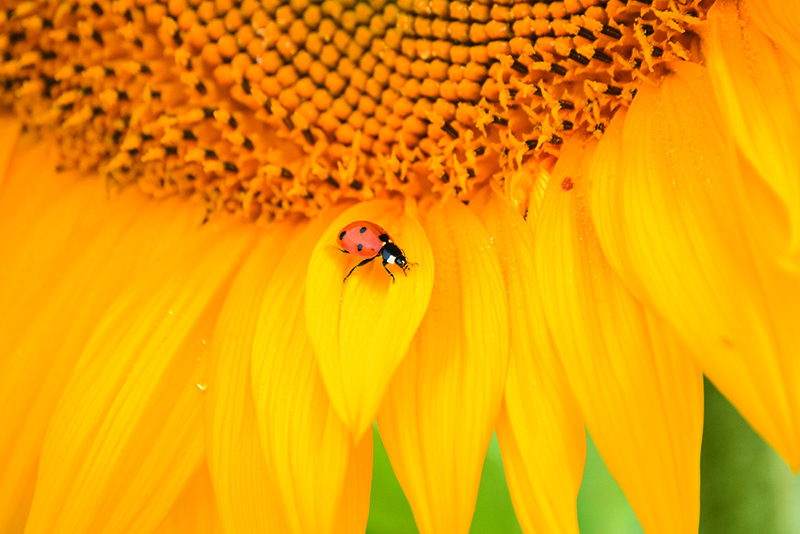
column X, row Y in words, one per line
column 567, row 184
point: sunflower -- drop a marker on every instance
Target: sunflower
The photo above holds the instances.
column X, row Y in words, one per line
column 601, row 199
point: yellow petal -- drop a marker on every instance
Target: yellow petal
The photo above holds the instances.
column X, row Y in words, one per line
column 10, row 130
column 43, row 217
column 353, row 508
column 640, row 394
column 780, row 20
column 540, row 429
column 48, row 314
column 441, row 406
column 667, row 202
column 309, row 451
column 245, row 494
column 361, row 329
column 757, row 84
column 195, row 509
column 128, row 431
column 44, row 349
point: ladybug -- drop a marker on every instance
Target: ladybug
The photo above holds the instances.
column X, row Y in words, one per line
column 368, row 240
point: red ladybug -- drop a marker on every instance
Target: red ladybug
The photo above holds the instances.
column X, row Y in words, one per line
column 368, row 240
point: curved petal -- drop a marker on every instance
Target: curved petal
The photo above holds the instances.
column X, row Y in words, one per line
column 195, row 509
column 780, row 20
column 10, row 132
column 757, row 84
column 640, row 393
column 441, row 406
column 49, row 314
column 360, row 330
column 128, row 431
column 540, row 429
column 44, row 215
column 668, row 213
column 322, row 476
column 235, row 457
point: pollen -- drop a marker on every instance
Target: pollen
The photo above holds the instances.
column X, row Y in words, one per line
column 266, row 108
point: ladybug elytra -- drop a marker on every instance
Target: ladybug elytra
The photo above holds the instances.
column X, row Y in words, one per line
column 366, row 239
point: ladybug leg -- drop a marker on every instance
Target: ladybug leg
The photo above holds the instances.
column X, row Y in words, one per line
column 357, row 266
column 388, row 271
column 343, row 251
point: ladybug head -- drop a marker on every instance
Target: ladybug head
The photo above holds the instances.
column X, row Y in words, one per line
column 403, row 263
column 393, row 254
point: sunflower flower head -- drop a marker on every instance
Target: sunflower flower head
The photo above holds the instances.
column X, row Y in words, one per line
column 600, row 199
column 273, row 108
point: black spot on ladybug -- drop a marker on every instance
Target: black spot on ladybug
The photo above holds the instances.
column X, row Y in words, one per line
column 341, row 236
column 363, row 229
column 360, row 246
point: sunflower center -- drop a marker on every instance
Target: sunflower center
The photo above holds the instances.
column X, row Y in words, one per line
column 273, row 107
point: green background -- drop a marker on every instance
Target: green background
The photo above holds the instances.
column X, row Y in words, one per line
column 745, row 488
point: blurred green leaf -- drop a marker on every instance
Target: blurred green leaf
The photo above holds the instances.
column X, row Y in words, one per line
column 389, row 512
column 494, row 512
column 745, row 486
column 602, row 507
